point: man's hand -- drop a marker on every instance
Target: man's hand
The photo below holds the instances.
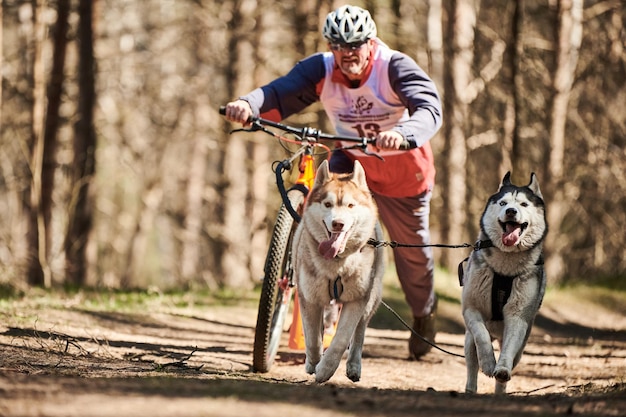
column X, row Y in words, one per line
column 238, row 111
column 389, row 139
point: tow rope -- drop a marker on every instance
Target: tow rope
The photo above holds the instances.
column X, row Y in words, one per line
column 422, row 338
column 480, row 244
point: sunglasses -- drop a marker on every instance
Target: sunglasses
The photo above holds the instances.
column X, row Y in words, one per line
column 347, row 47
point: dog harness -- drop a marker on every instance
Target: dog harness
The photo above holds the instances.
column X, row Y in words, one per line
column 501, row 286
column 500, row 292
column 335, row 288
column 480, row 244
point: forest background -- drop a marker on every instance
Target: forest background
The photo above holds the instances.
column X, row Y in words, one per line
column 117, row 171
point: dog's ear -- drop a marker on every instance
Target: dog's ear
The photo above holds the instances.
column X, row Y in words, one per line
column 358, row 175
column 322, row 175
column 506, row 181
column 534, row 185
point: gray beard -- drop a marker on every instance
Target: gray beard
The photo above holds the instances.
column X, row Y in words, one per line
column 354, row 71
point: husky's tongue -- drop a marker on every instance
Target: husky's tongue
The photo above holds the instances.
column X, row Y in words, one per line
column 331, row 247
column 511, row 234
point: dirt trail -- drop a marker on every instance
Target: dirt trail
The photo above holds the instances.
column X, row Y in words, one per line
column 62, row 359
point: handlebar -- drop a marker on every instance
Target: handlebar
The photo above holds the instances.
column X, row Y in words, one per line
column 312, row 133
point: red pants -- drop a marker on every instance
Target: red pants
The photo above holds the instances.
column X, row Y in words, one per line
column 406, row 221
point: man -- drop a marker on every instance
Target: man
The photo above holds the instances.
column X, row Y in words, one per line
column 367, row 89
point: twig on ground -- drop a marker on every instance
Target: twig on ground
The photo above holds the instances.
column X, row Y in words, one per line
column 182, row 363
column 534, row 390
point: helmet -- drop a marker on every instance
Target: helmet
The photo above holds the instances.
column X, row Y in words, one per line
column 349, row 24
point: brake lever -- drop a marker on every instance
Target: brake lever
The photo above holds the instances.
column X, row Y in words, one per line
column 406, row 145
column 367, row 152
column 363, row 148
column 254, row 127
column 370, row 153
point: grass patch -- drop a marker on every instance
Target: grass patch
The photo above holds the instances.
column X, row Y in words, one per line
column 9, row 292
column 610, row 282
column 598, row 296
column 609, row 295
column 136, row 300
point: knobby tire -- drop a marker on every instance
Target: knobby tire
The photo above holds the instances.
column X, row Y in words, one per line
column 273, row 306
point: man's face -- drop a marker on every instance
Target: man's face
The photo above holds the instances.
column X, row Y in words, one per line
column 352, row 58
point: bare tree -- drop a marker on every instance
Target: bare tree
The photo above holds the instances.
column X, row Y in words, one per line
column 54, row 95
column 511, row 141
column 459, row 56
column 1, row 59
column 236, row 225
column 80, row 211
column 195, row 265
column 37, row 270
column 260, row 151
column 307, row 25
column 569, row 41
column 435, row 41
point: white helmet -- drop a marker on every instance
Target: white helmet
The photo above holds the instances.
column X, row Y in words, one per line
column 349, row 24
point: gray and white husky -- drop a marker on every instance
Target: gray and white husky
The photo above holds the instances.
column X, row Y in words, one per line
column 504, row 281
column 333, row 261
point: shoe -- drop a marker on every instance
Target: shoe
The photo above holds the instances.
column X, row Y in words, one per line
column 425, row 327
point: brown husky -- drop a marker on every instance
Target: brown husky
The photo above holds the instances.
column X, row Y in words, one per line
column 333, row 261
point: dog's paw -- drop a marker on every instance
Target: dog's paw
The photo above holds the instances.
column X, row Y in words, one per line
column 353, row 371
column 322, row 376
column 502, row 374
column 324, row 371
column 470, row 390
column 309, row 367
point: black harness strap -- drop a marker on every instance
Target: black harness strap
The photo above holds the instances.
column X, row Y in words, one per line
column 500, row 293
column 480, row 244
column 335, row 289
column 460, row 271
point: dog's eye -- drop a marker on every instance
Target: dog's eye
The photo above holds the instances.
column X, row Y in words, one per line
column 524, row 204
column 350, row 205
column 327, row 204
column 502, row 203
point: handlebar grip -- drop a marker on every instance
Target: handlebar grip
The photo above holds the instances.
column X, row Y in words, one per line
column 222, row 111
column 406, row 145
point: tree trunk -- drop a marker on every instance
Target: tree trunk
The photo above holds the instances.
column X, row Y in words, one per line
column 569, row 41
column 80, row 212
column 435, row 54
column 259, row 151
column 190, row 252
column 55, row 90
column 306, row 25
column 514, row 88
column 1, row 60
column 435, row 43
column 459, row 56
column 236, row 223
column 512, row 142
column 37, row 271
